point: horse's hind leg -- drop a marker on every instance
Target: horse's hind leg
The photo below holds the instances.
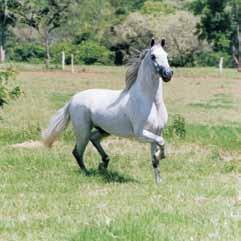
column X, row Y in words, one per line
column 82, row 127
column 95, row 137
column 79, row 157
column 78, row 152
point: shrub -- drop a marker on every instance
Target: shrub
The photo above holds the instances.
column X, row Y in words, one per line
column 28, row 52
column 91, row 52
column 7, row 92
column 153, row 7
column 211, row 58
column 176, row 128
column 56, row 52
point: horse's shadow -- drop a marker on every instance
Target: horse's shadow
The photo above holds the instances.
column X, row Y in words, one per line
column 108, row 176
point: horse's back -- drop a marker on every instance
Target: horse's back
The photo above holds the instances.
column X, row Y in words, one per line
column 104, row 108
column 94, row 97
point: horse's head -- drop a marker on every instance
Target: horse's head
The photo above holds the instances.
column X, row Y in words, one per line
column 159, row 59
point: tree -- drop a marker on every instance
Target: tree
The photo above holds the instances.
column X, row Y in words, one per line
column 125, row 6
column 220, row 25
column 182, row 44
column 44, row 16
column 6, row 92
column 236, row 17
column 214, row 24
column 133, row 32
column 137, row 30
column 7, row 18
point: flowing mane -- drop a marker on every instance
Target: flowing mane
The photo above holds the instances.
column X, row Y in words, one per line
column 132, row 71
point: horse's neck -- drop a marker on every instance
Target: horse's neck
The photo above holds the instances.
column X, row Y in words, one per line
column 149, row 86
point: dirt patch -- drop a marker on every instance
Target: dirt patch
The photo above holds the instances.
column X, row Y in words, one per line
column 28, row 145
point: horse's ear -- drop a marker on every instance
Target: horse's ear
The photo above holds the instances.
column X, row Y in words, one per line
column 163, row 42
column 152, row 42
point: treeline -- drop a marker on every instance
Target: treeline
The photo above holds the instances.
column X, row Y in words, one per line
column 198, row 32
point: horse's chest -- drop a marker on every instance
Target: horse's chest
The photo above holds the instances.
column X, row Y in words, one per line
column 157, row 118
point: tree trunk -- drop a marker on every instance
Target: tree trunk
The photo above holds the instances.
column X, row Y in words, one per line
column 239, row 56
column 238, row 49
column 47, row 52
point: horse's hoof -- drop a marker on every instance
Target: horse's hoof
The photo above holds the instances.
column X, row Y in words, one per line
column 163, row 156
column 158, row 181
column 84, row 171
column 102, row 167
column 160, row 154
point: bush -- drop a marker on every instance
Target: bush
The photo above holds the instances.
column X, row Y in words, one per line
column 28, row 52
column 91, row 52
column 176, row 128
column 56, row 52
column 6, row 92
column 182, row 60
column 212, row 59
column 153, row 7
column 87, row 52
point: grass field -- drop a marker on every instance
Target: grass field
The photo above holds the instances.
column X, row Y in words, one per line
column 44, row 196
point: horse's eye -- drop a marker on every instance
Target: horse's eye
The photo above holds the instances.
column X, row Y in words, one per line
column 153, row 57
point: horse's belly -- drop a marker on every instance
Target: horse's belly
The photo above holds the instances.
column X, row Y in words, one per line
column 105, row 109
column 114, row 123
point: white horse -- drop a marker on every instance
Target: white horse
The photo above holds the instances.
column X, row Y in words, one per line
column 137, row 111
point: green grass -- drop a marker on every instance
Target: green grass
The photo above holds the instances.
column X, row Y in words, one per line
column 223, row 101
column 59, row 99
column 225, row 137
column 44, row 196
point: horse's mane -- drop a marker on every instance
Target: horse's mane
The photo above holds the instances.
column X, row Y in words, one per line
column 132, row 71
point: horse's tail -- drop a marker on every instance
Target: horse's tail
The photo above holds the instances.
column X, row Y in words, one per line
column 56, row 125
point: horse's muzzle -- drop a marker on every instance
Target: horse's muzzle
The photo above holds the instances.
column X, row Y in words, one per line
column 166, row 74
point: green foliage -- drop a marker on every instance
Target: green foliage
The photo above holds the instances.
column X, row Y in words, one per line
column 220, row 25
column 90, row 52
column 119, row 25
column 211, row 58
column 215, row 24
column 44, row 16
column 155, row 8
column 6, row 93
column 56, row 51
column 177, row 127
column 125, row 6
column 7, row 18
column 181, row 60
column 87, row 52
column 45, row 13
column 15, row 92
column 28, row 52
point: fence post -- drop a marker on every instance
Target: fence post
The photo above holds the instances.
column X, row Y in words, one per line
column 221, row 65
column 2, row 54
column 72, row 63
column 63, row 60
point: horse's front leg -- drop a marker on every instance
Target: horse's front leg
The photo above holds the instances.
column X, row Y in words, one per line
column 151, row 137
column 157, row 153
column 157, row 150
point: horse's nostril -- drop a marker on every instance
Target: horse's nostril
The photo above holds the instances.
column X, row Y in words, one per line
column 166, row 73
column 169, row 73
